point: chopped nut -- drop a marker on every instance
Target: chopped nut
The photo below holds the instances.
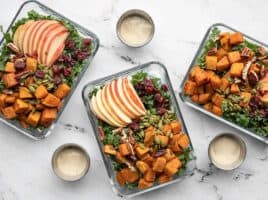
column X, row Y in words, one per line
column 262, row 51
column 212, row 51
column 246, row 52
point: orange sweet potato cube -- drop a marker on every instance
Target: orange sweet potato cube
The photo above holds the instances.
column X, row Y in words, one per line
column 195, row 98
column 31, row 64
column 169, row 154
column 149, row 136
column 9, row 112
column 166, row 129
column 109, row 149
column 246, row 98
column 3, row 100
column 234, row 56
column 234, row 89
column 224, row 84
column 195, row 72
column 62, row 91
column 48, row 116
column 221, row 53
column 217, row 110
column 10, row 67
column 201, row 78
column 9, row 80
column 159, row 164
column 143, row 184
column 33, row 118
column 176, row 127
column 142, row 166
column 163, row 178
column 41, row 92
column 236, row 69
column 20, row 106
column 209, row 89
column 236, row 38
column 203, row 98
column 25, row 93
column 217, row 99
column 183, row 141
column 124, row 149
column 223, row 64
column 149, row 175
column 189, row 87
column 208, row 107
column 215, row 82
column 51, row 100
column 141, row 151
column 211, row 62
column 129, row 175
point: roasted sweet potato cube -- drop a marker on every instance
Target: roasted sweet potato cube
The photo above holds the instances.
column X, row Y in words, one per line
column 195, row 98
column 200, row 89
column 224, row 38
column 234, row 88
column 224, row 84
column 143, row 184
column 202, row 78
column 166, row 129
column 148, row 159
column 10, row 99
column 169, row 154
column 3, row 100
column 236, row 69
column 25, row 93
column 183, row 141
column 234, row 56
column 9, row 80
column 195, row 72
column 217, row 99
column 141, row 151
column 215, row 82
column 39, row 106
column 120, row 179
column 149, row 136
column 142, row 166
column 217, row 110
column 211, row 62
column 120, row 158
column 33, row 118
column 210, row 74
column 223, row 64
column 189, row 87
column 159, row 164
column 109, row 149
column 163, row 178
column 175, row 162
column 204, row 98
column 51, row 101
column 149, row 175
column 246, row 96
column 20, row 106
column 236, row 38
column 129, row 175
column 31, row 64
column 48, row 116
column 62, row 91
column 221, row 53
column 208, row 106
column 162, row 140
column 209, row 89
column 170, row 170
column 9, row 112
column 124, row 149
column 176, row 127
column 10, row 68
column 41, row 92
column 174, row 143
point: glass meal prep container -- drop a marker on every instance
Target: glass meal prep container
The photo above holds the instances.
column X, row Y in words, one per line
column 155, row 69
column 187, row 100
column 44, row 10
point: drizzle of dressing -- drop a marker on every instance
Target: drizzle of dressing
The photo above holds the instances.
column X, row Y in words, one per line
column 225, row 152
column 135, row 30
column 71, row 163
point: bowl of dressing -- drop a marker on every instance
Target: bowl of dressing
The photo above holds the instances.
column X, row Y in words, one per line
column 227, row 151
column 70, row 162
column 135, row 28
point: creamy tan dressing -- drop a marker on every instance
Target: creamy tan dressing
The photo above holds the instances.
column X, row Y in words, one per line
column 225, row 151
column 135, row 30
column 71, row 162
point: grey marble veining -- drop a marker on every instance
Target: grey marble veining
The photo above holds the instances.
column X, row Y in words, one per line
column 25, row 170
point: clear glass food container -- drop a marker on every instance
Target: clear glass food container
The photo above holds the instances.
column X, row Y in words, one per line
column 189, row 102
column 44, row 10
column 154, row 69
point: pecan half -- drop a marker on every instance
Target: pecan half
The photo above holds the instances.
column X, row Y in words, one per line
column 252, row 78
column 262, row 51
column 246, row 52
column 13, row 47
column 212, row 51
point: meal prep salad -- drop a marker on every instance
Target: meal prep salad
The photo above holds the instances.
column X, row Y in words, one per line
column 39, row 62
column 139, row 130
column 231, row 80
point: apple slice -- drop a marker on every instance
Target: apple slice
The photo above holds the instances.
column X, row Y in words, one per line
column 133, row 97
column 44, row 37
column 96, row 111
column 39, row 33
column 55, row 47
column 26, row 38
column 123, row 96
column 113, row 91
column 21, row 32
column 104, row 112
column 112, row 108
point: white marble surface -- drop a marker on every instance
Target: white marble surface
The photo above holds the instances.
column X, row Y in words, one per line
column 25, row 170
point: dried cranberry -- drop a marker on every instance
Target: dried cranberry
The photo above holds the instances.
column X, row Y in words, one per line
column 56, row 69
column 57, row 80
column 164, row 87
column 161, row 111
column 252, row 78
column 60, row 59
column 158, row 98
column 70, row 44
column 19, row 64
column 87, row 41
column 134, row 126
column 39, row 74
column 80, row 55
column 159, row 153
column 67, row 71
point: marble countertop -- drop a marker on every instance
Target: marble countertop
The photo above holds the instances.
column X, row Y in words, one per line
column 25, row 165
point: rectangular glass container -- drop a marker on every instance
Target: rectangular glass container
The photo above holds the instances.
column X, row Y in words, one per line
column 189, row 102
column 154, row 69
column 44, row 10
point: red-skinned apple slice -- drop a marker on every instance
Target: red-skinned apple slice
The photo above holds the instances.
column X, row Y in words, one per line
column 21, row 33
column 26, row 38
column 104, row 112
column 113, row 90
column 133, row 97
column 44, row 37
column 40, row 33
column 111, row 107
column 124, row 98
column 48, row 41
column 55, row 47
